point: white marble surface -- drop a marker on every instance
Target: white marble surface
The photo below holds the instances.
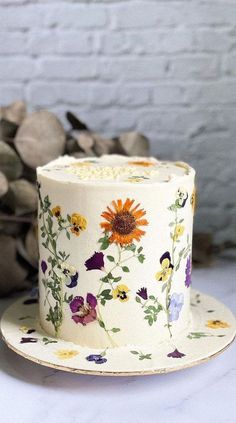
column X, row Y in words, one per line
column 30, row 393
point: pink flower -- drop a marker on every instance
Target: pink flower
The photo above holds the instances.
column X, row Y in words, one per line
column 84, row 313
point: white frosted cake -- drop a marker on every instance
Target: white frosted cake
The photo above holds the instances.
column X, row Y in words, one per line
column 115, row 239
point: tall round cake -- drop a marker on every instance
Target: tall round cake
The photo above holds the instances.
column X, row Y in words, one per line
column 115, row 239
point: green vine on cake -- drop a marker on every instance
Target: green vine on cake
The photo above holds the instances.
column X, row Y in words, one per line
column 170, row 262
column 122, row 230
column 57, row 272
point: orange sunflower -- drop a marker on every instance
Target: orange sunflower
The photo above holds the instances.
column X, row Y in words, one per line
column 123, row 222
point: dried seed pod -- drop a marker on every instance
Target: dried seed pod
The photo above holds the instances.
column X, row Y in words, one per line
column 21, row 197
column 10, row 163
column 40, row 138
column 134, row 144
column 3, row 184
column 12, row 275
column 15, row 112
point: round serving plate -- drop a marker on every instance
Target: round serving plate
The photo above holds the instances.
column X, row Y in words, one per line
column 212, row 330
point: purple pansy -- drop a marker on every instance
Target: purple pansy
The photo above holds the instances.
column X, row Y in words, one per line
column 176, row 304
column 96, row 262
column 142, row 292
column 69, row 275
column 176, row 354
column 28, row 340
column 188, row 271
column 84, row 313
column 164, row 256
column 97, row 358
column 44, row 266
column 73, row 280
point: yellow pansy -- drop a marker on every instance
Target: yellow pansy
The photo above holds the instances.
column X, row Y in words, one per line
column 217, row 324
column 166, row 267
column 65, row 354
column 121, row 293
column 79, row 223
column 56, row 211
column 179, row 230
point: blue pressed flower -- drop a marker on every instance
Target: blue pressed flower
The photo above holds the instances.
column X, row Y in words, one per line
column 97, row 358
column 176, row 304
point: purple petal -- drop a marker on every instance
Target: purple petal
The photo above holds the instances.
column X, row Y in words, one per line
column 78, row 319
column 76, row 303
column 73, row 280
column 164, row 256
column 96, row 262
column 176, row 354
column 142, row 292
column 28, row 340
column 44, row 266
column 97, row 358
column 93, row 357
column 91, row 300
column 101, row 360
column 188, row 271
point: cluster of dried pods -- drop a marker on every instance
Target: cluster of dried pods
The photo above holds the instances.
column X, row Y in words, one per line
column 28, row 141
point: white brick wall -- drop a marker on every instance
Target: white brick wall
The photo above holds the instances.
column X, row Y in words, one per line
column 164, row 67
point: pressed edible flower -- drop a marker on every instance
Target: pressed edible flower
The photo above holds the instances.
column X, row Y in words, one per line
column 84, row 312
column 123, row 222
column 217, row 324
column 56, row 211
column 96, row 262
column 120, row 292
column 65, row 354
column 166, row 267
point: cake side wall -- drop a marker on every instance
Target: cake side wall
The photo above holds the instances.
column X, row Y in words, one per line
column 118, row 311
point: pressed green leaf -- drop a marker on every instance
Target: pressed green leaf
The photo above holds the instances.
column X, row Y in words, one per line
column 138, row 299
column 118, row 279
column 101, row 323
column 134, row 352
column 141, row 258
column 110, row 258
column 151, row 297
column 115, row 330
column 125, row 269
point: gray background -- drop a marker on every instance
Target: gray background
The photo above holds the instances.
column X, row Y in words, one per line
column 166, row 68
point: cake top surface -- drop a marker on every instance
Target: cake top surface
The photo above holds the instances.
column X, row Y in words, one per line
column 114, row 169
